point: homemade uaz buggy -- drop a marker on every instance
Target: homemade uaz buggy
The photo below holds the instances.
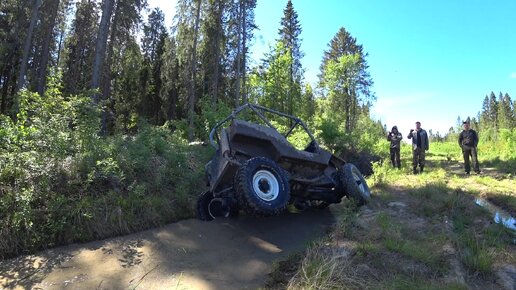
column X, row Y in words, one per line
column 256, row 169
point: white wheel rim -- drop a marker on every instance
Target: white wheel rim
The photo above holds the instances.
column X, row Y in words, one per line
column 359, row 182
column 265, row 185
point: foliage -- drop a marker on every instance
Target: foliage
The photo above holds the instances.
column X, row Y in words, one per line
column 61, row 182
column 331, row 130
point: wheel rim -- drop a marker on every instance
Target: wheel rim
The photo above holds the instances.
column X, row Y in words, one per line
column 359, row 182
column 265, row 185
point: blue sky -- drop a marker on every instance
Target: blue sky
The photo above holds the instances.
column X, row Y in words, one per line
column 431, row 60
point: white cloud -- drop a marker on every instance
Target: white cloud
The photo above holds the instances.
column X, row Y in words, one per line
column 512, row 75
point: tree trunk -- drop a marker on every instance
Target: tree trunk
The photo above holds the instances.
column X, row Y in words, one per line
column 60, row 47
column 216, row 64
column 238, row 55
column 26, row 48
column 193, row 68
column 173, row 94
column 347, row 104
column 244, row 50
column 42, row 76
column 100, row 47
column 106, row 83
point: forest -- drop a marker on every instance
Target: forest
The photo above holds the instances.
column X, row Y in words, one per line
column 100, row 105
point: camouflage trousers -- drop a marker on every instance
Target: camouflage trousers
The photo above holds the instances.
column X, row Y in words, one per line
column 467, row 152
column 418, row 157
column 395, row 157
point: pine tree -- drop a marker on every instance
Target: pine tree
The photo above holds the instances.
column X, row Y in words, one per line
column 80, row 48
column 153, row 48
column 289, row 35
column 170, row 81
column 485, row 120
column 125, row 21
column 13, row 31
column 27, row 46
column 239, row 30
column 505, row 112
column 212, row 49
column 50, row 19
column 493, row 111
column 345, row 78
column 100, row 46
column 127, row 87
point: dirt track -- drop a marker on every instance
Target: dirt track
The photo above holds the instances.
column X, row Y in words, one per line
column 191, row 254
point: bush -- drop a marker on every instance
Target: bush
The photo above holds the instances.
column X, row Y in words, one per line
column 61, row 182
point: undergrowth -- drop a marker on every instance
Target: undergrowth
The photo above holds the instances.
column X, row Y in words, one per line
column 61, row 182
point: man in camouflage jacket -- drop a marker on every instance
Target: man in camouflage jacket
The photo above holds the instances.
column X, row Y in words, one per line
column 468, row 141
column 419, row 146
column 395, row 137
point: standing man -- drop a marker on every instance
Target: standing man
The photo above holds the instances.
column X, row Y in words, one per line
column 419, row 146
column 468, row 141
column 395, row 138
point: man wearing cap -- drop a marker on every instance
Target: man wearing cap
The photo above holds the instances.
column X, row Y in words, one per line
column 395, row 138
column 419, row 146
column 468, row 141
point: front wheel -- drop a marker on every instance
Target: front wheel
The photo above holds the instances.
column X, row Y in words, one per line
column 355, row 184
column 262, row 187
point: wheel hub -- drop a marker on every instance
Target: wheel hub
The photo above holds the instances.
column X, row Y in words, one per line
column 265, row 185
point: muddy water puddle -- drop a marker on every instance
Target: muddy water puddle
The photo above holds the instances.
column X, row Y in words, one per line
column 499, row 215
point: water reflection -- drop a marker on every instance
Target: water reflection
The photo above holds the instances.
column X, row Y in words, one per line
column 500, row 216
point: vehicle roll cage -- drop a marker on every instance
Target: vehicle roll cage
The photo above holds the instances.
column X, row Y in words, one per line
column 259, row 111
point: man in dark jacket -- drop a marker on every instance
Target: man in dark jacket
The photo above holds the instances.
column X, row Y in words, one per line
column 419, row 146
column 395, row 138
column 468, row 141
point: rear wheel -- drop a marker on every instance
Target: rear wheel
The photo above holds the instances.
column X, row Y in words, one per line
column 203, row 204
column 355, row 184
column 262, row 187
column 210, row 207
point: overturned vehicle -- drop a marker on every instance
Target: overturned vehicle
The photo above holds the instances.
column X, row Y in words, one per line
column 256, row 168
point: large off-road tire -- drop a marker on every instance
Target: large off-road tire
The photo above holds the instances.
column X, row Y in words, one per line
column 355, row 184
column 203, row 202
column 262, row 187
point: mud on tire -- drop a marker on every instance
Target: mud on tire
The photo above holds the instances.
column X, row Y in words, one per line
column 355, row 184
column 262, row 187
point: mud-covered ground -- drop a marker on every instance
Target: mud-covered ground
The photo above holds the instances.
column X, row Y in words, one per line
column 191, row 254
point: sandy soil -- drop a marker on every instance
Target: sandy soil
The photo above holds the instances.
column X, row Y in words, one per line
column 191, row 254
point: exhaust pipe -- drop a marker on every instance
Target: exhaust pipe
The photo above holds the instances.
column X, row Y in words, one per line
column 219, row 207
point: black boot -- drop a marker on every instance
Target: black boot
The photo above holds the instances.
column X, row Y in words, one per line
column 414, row 170
column 421, row 168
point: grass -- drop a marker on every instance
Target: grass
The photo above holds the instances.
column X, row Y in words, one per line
column 415, row 229
column 404, row 282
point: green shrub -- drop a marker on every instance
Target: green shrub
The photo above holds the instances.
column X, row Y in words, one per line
column 61, row 182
